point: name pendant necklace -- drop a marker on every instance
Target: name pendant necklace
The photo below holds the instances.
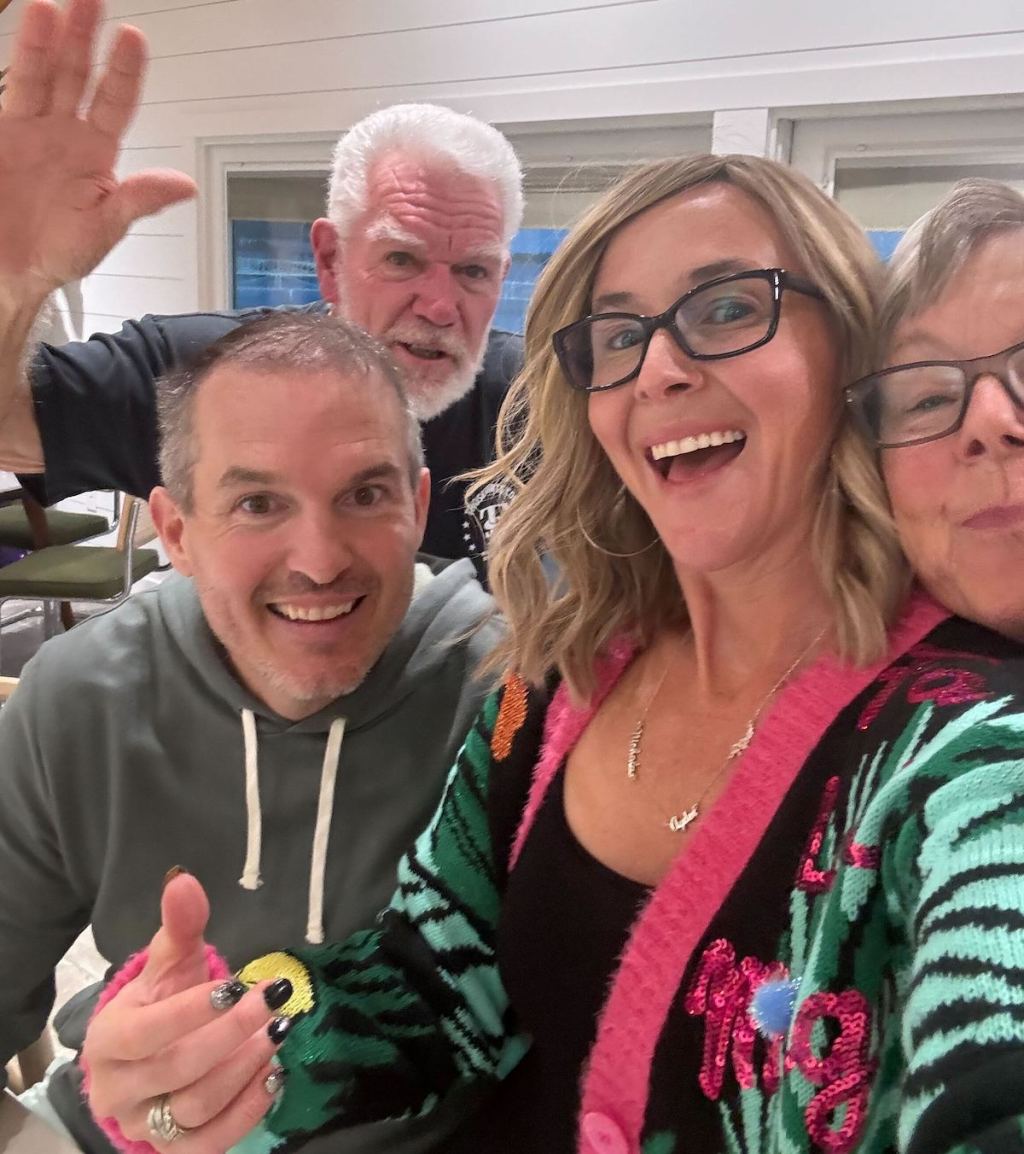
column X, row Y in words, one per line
column 678, row 822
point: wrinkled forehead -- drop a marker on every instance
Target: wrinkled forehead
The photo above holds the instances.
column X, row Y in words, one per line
column 429, row 202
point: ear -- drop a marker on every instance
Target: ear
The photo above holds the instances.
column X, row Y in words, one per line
column 323, row 236
column 170, row 524
column 422, row 501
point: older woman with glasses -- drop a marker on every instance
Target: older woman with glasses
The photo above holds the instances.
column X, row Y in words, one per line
column 947, row 413
column 716, row 868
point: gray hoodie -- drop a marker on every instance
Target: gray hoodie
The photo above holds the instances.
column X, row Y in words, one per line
column 129, row 747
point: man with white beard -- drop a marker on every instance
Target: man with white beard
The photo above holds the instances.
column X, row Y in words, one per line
column 422, row 205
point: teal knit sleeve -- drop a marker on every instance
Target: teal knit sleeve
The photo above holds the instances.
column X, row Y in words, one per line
column 962, row 850
column 391, row 1021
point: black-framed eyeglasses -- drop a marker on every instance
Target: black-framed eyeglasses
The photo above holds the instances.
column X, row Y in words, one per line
column 721, row 318
column 927, row 400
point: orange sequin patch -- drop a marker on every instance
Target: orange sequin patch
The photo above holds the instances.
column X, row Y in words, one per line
column 511, row 716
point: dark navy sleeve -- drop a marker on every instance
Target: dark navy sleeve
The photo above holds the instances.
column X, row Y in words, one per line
column 95, row 401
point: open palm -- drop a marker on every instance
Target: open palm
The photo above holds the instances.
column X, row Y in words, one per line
column 63, row 208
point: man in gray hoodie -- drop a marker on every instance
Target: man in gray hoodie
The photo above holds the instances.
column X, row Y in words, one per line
column 278, row 717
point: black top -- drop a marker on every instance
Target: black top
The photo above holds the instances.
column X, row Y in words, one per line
column 95, row 405
column 565, row 921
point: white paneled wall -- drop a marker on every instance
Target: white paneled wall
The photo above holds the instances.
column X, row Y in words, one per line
column 246, row 69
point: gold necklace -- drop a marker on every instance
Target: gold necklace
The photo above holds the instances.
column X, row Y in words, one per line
column 680, row 821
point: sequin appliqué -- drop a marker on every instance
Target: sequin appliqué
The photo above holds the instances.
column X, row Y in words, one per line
column 511, row 716
column 843, row 1071
column 722, row 991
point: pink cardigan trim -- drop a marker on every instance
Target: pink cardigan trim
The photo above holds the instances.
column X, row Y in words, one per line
column 563, row 727
column 682, row 907
column 218, row 970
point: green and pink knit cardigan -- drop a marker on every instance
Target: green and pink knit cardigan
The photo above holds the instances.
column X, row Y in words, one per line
column 835, row 961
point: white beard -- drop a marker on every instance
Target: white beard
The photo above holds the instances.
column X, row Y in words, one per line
column 429, row 399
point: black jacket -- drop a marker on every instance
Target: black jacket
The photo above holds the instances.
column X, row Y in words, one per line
column 95, row 404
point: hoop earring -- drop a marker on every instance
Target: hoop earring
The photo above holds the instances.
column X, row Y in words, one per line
column 609, row 552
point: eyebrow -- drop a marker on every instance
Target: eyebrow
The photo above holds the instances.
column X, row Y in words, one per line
column 694, row 277
column 391, row 232
column 239, row 475
column 918, row 340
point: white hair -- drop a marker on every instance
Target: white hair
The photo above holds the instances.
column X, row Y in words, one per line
column 432, row 134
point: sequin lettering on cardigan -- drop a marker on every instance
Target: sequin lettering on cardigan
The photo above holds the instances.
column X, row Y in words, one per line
column 511, row 715
column 722, row 992
column 811, row 878
column 862, row 857
column 844, row 1071
column 926, row 664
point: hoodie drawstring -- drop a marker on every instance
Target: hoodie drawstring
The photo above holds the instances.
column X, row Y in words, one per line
column 322, row 832
column 250, row 879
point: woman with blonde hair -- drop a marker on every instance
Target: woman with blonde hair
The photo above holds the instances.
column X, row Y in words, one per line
column 704, row 857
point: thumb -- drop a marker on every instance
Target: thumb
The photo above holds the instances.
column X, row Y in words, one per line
column 145, row 193
column 177, row 958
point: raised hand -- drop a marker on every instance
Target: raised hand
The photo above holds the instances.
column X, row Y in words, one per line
column 171, row 1038
column 62, row 209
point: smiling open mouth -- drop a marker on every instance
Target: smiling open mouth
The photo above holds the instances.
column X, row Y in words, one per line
column 695, row 456
column 313, row 613
column 424, row 352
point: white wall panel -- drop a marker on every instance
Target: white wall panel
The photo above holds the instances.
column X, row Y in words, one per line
column 249, row 70
column 131, row 296
column 147, row 256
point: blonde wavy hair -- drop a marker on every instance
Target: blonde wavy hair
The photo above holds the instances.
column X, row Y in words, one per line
column 564, row 484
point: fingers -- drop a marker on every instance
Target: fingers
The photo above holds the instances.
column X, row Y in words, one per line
column 30, row 80
column 145, row 193
column 135, row 1032
column 74, row 57
column 210, row 1095
column 224, row 1130
column 231, row 1126
column 157, row 1055
column 117, row 94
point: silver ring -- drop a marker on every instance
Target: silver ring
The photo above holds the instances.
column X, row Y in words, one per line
column 161, row 1121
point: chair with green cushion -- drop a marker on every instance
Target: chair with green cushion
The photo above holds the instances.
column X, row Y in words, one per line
column 99, row 573
column 16, row 532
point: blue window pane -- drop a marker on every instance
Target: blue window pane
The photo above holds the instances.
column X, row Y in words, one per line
column 531, row 249
column 885, row 240
column 272, row 264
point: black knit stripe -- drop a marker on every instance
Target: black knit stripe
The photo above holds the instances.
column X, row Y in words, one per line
column 958, row 1062
column 949, row 889
column 964, row 969
column 976, row 917
column 1006, row 809
column 959, row 1012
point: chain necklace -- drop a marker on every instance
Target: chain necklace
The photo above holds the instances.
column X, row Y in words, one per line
column 678, row 822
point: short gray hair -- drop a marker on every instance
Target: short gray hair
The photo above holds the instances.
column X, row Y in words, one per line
column 289, row 341
column 938, row 244
column 431, row 134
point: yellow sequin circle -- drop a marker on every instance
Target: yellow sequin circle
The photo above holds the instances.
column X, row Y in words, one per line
column 279, row 965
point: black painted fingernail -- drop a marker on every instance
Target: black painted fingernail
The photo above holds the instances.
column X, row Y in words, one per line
column 277, row 993
column 172, row 873
column 226, row 995
column 278, row 1029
